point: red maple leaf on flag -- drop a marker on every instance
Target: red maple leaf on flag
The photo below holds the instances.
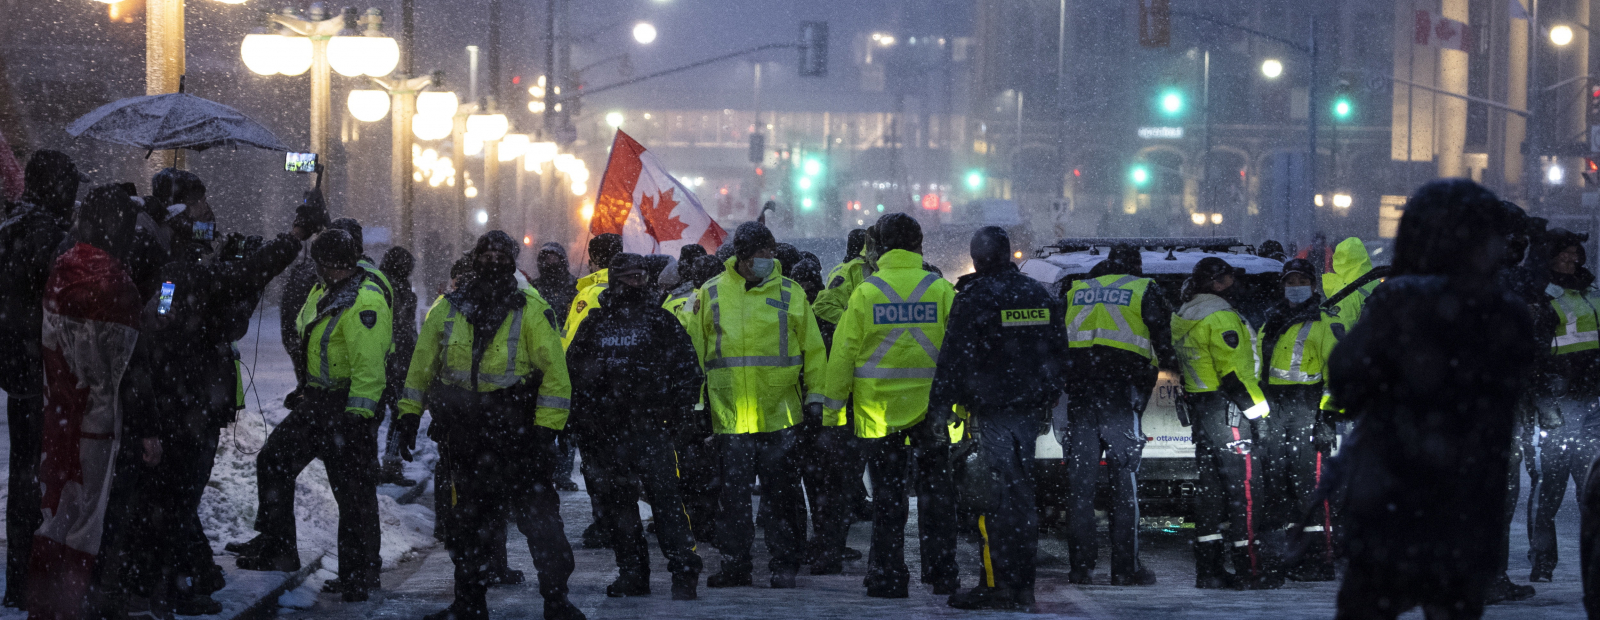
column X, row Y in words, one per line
column 658, row 218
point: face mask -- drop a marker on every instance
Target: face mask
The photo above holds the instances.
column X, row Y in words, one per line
column 496, row 269
column 761, row 267
column 1297, row 294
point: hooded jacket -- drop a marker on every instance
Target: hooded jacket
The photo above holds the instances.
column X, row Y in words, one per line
column 557, row 286
column 30, row 241
column 1350, row 261
column 1432, row 374
column 633, row 366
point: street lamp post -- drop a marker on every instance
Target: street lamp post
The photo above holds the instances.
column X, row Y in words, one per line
column 322, row 44
column 403, row 101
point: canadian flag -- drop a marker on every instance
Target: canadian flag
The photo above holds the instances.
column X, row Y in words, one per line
column 654, row 212
column 1439, row 31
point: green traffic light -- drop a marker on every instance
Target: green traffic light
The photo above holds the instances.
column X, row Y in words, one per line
column 1172, row 103
column 805, row 183
column 1342, row 108
column 975, row 180
column 1140, row 175
column 806, row 204
column 813, row 167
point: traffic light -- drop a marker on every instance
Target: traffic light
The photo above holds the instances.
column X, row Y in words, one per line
column 1170, row 102
column 1594, row 103
column 1343, row 105
column 1591, row 172
column 974, row 180
column 1155, row 23
column 1139, row 175
column 813, row 167
column 813, row 49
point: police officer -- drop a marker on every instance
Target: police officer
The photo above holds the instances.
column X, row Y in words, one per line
column 1118, row 323
column 1217, row 352
column 345, row 327
column 1296, row 442
column 761, row 352
column 884, row 354
column 636, row 376
column 699, row 469
column 601, row 250
column 1000, row 363
column 489, row 361
column 1567, row 395
column 844, row 278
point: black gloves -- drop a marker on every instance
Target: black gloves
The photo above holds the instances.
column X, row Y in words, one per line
column 544, row 448
column 291, row 401
column 407, row 425
column 312, row 214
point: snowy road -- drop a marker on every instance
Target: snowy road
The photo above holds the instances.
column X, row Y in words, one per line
column 419, row 577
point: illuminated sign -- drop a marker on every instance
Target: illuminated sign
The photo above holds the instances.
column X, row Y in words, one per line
column 1161, row 133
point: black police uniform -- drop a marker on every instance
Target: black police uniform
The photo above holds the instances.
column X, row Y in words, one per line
column 1000, row 361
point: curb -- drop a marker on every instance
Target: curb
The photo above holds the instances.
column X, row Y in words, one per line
column 266, row 606
column 416, row 490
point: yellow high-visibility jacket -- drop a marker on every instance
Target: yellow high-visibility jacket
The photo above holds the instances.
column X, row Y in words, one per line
column 842, row 282
column 761, row 351
column 682, row 306
column 526, row 342
column 887, row 346
column 589, row 288
column 347, row 340
column 1215, row 347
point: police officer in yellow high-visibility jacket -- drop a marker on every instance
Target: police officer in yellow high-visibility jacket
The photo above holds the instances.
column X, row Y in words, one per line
column 844, row 278
column 1217, row 353
column 490, row 365
column 345, row 328
column 1295, row 443
column 1119, row 326
column 884, row 354
column 601, row 250
column 763, row 359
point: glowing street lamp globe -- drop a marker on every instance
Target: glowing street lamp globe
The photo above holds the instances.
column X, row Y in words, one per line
column 431, row 127
column 368, row 106
column 442, row 104
column 487, row 127
column 356, row 56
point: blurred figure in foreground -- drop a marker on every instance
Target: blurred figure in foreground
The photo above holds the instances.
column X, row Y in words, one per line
column 1431, row 375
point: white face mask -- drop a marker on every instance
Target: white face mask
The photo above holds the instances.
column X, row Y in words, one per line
column 761, row 267
column 1297, row 294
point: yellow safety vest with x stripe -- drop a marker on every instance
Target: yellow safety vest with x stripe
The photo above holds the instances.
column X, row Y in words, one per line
column 1108, row 311
column 1578, row 325
column 1300, row 356
column 887, row 346
column 761, row 351
column 525, row 343
column 347, row 342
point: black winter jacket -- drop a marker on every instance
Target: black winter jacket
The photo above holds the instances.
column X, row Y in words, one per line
column 990, row 362
column 30, row 241
column 633, row 367
column 1432, row 373
column 296, row 288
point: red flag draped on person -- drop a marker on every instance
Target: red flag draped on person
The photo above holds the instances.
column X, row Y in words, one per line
column 91, row 311
column 654, row 212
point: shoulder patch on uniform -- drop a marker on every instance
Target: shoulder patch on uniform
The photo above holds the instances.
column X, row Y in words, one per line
column 1231, row 337
column 369, row 318
column 581, row 305
column 837, row 280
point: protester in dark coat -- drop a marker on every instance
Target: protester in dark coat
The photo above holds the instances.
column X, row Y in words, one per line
column 397, row 265
column 556, row 283
column 1431, row 375
column 30, row 240
column 635, row 374
column 296, row 287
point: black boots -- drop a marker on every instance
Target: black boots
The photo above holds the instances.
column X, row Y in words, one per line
column 684, row 586
column 269, row 553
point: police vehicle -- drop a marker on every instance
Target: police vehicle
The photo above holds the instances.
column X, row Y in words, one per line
column 1167, row 475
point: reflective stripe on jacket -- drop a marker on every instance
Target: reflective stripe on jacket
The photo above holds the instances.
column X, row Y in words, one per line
column 525, row 343
column 1578, row 322
column 1207, row 354
column 887, row 346
column 1109, row 311
column 347, row 342
column 589, row 288
column 760, row 347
